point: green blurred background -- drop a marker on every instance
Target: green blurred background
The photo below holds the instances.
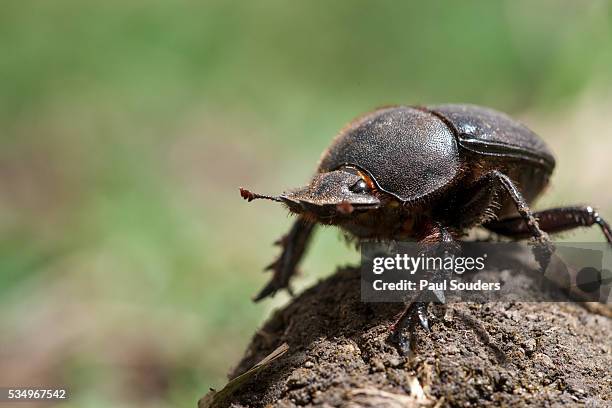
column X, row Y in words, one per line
column 127, row 258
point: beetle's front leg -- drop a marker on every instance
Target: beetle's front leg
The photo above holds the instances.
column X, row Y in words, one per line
column 293, row 245
column 444, row 246
column 413, row 312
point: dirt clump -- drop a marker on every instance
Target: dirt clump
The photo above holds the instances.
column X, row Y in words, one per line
column 494, row 354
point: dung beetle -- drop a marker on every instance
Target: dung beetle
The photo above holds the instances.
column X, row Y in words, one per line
column 426, row 173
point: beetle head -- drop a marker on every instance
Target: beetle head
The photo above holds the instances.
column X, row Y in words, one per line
column 329, row 195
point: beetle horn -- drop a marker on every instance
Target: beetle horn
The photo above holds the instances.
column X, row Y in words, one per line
column 249, row 196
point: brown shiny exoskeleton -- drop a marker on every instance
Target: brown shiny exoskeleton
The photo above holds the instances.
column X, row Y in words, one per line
column 430, row 174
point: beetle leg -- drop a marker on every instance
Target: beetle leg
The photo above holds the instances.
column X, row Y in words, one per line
column 414, row 312
column 543, row 248
column 521, row 205
column 293, row 245
column 552, row 221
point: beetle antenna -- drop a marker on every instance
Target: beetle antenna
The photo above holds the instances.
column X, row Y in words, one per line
column 247, row 195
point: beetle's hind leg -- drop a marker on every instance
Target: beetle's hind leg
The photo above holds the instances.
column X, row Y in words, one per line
column 552, row 221
column 293, row 245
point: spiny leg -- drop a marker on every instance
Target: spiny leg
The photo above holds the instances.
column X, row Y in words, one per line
column 557, row 220
column 543, row 248
column 293, row 245
column 417, row 311
column 552, row 221
column 413, row 313
column 492, row 182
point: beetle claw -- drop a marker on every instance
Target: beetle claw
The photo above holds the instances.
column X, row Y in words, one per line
column 415, row 312
column 274, row 285
column 421, row 314
column 268, row 290
column 406, row 342
column 278, row 281
column 542, row 250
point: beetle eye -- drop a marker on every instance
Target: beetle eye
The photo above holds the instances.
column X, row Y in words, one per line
column 359, row 187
